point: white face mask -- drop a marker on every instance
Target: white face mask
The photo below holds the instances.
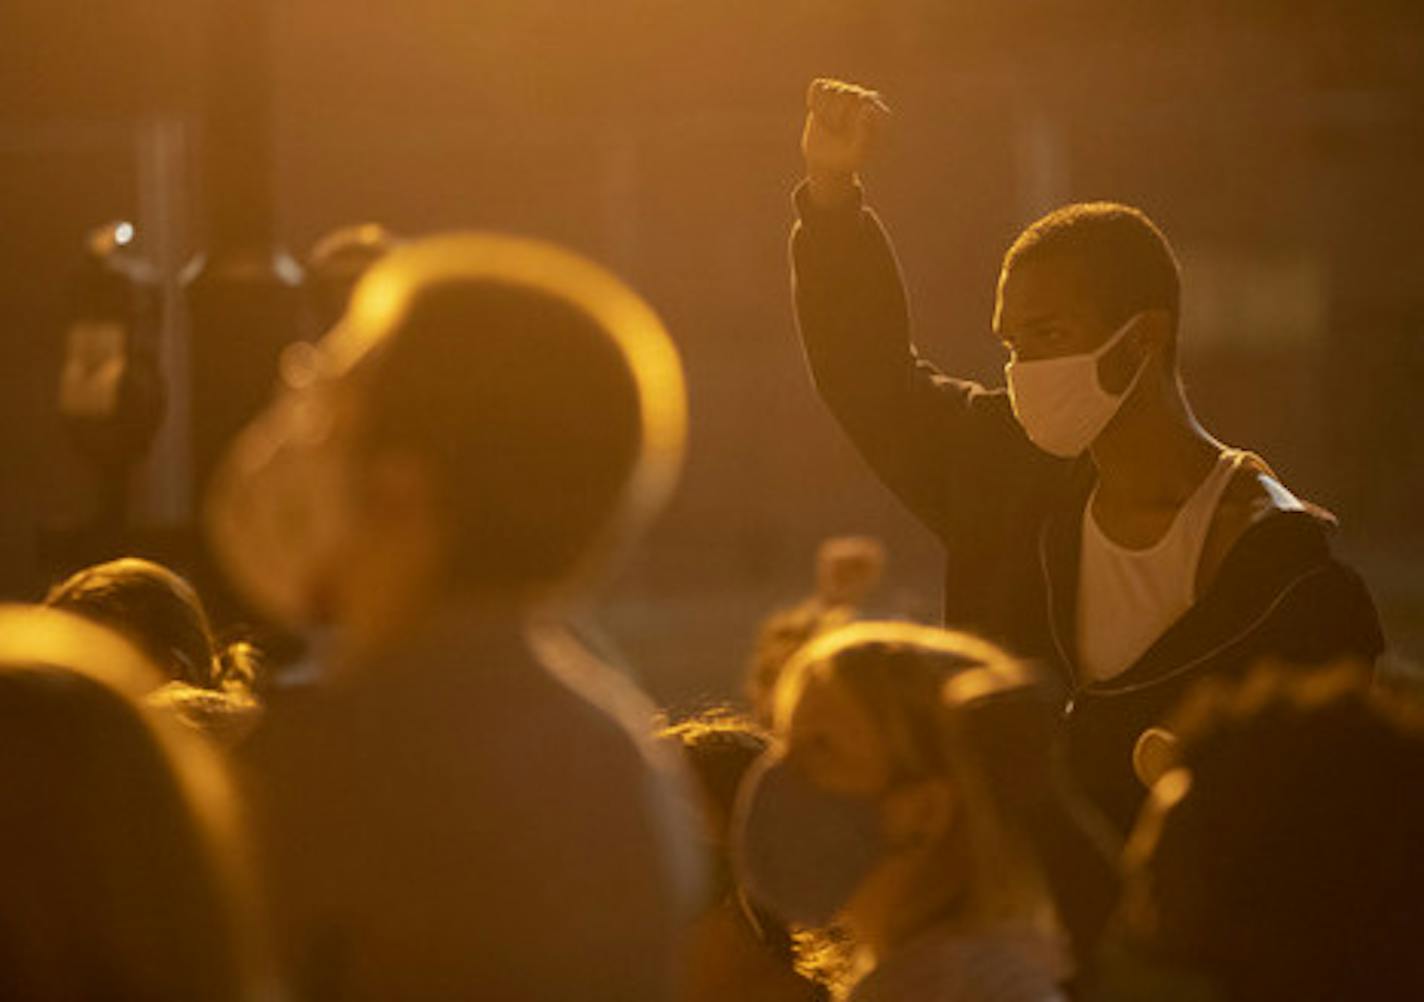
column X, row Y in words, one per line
column 1059, row 401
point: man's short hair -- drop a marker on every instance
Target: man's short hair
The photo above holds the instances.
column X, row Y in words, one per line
column 1124, row 260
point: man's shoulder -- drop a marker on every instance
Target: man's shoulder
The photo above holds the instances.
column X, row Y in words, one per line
column 1248, row 517
column 1254, row 492
column 1247, row 499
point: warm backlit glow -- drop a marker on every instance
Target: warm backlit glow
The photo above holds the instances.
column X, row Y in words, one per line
column 37, row 635
column 385, row 293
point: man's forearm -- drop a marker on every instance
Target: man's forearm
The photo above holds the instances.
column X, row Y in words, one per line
column 831, row 190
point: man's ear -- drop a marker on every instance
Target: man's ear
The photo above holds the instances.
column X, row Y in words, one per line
column 920, row 813
column 1155, row 332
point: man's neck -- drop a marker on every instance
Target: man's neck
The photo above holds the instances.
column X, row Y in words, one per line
column 1154, row 453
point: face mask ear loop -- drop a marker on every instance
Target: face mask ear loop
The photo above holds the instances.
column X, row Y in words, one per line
column 1112, row 343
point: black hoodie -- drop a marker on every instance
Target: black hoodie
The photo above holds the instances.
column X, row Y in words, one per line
column 1009, row 516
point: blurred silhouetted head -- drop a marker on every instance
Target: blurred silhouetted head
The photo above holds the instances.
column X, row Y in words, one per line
column 525, row 414
column 779, row 637
column 159, row 612
column 847, row 570
column 117, row 856
column 492, row 417
column 1280, row 859
column 736, row 949
column 719, row 746
column 336, row 262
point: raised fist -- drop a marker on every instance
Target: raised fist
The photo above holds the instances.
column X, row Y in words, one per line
column 842, row 122
column 848, row 568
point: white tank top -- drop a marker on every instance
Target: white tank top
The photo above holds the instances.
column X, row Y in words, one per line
column 1129, row 598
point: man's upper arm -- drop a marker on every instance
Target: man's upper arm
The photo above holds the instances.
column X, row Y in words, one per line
column 942, row 445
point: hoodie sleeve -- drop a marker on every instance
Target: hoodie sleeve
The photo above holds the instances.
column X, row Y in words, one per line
column 1330, row 617
column 948, row 448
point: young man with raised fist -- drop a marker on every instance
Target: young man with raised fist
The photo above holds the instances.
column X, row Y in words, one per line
column 1089, row 521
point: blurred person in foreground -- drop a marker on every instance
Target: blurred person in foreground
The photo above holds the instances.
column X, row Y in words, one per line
column 873, row 811
column 1089, row 521
column 735, row 950
column 334, row 265
column 1278, row 858
column 469, row 805
column 209, row 686
column 848, row 569
column 121, row 862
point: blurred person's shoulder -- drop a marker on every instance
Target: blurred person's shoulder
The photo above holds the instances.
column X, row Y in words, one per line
column 473, row 689
column 591, row 683
column 948, row 964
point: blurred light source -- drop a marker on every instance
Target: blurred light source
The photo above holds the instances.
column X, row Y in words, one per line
column 123, row 234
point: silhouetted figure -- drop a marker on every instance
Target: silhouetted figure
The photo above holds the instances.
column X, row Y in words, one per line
column 112, row 398
column 848, row 568
column 735, row 950
column 209, row 685
column 470, row 805
column 1279, row 859
column 119, row 855
column 874, row 811
column 1088, row 520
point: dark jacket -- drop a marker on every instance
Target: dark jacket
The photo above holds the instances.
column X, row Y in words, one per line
column 1009, row 516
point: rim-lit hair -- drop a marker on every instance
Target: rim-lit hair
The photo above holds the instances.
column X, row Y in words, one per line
column 545, row 395
column 160, row 612
column 392, row 289
column 1123, row 260
column 898, row 673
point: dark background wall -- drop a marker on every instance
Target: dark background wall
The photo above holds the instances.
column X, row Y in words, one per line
column 1279, row 144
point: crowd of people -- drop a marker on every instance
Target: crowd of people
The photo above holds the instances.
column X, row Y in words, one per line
column 1142, row 757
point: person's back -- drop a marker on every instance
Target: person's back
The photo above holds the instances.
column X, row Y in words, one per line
column 460, row 820
column 466, row 807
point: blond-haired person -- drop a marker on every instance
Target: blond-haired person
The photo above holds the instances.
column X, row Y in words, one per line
column 871, row 812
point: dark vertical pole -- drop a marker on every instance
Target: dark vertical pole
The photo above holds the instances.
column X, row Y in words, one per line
column 244, row 293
